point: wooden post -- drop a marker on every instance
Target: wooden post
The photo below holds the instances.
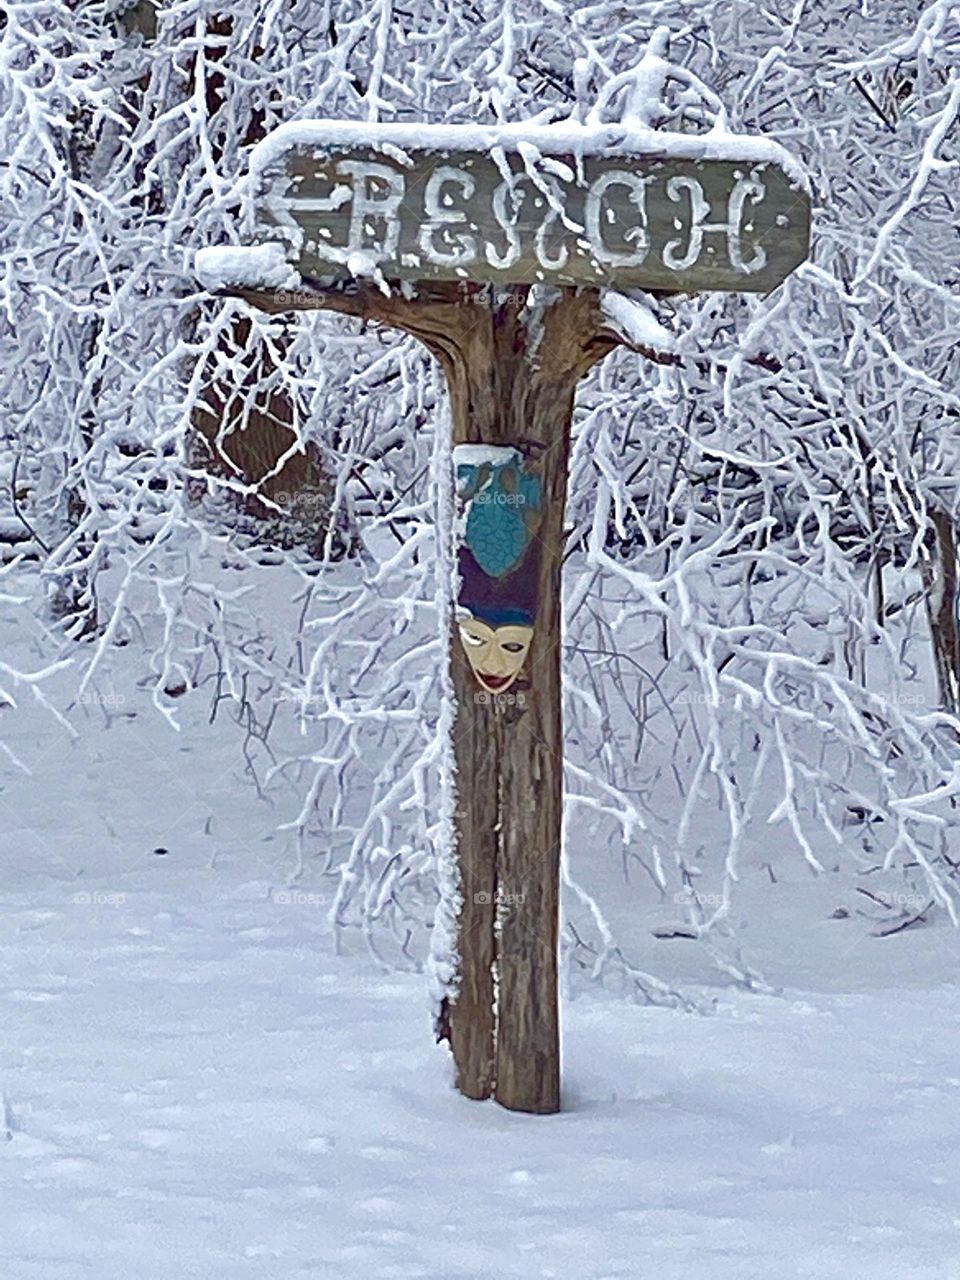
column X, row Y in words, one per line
column 512, row 384
column 512, row 369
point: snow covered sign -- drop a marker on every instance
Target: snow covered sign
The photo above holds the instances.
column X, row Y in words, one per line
column 518, row 255
column 557, row 204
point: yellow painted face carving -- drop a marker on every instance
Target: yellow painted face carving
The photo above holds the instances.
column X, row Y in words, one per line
column 496, row 654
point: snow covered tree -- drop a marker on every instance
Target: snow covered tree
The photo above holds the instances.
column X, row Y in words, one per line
column 756, row 535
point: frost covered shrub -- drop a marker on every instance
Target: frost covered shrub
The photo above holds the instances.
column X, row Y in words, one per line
column 752, row 552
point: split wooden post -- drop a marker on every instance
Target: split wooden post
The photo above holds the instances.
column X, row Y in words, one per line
column 512, row 377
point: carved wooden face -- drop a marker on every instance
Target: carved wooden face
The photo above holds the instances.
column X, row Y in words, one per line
column 496, row 654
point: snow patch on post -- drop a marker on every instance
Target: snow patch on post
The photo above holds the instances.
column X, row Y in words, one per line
column 475, row 455
column 443, row 961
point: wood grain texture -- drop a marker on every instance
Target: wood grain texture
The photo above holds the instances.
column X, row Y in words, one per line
column 512, row 374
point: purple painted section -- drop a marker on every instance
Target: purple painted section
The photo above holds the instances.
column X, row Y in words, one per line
column 509, row 600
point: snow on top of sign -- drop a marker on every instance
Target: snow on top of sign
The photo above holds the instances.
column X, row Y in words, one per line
column 634, row 321
column 565, row 137
column 232, row 266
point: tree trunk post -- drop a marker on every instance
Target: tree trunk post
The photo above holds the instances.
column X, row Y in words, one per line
column 512, row 371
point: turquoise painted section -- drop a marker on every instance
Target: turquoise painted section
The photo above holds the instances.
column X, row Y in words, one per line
column 502, row 506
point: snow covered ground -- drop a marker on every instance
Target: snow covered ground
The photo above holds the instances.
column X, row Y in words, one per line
column 196, row 1085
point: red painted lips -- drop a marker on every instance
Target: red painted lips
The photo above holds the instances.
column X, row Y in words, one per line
column 493, row 682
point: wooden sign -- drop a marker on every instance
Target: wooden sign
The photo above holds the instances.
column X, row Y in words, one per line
column 358, row 207
column 529, row 211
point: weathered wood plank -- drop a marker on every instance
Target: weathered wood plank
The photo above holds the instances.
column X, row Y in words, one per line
column 470, row 1020
column 651, row 222
column 528, row 1031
